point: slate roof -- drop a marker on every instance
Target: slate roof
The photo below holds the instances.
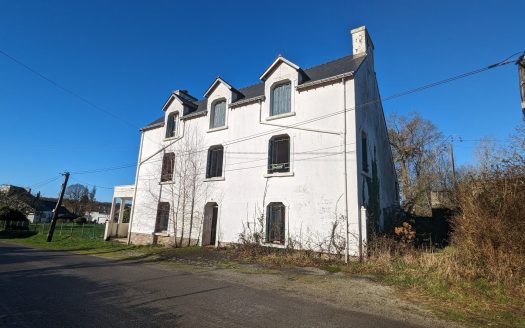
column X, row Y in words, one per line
column 336, row 67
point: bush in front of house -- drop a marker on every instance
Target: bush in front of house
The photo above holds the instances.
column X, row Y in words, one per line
column 80, row 220
column 13, row 219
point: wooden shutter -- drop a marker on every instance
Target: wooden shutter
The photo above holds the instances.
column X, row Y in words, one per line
column 163, row 215
column 168, row 162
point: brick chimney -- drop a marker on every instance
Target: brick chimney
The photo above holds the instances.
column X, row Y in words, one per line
column 361, row 41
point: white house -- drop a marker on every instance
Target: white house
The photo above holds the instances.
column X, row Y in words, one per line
column 301, row 158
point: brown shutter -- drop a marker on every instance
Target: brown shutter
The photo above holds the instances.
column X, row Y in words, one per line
column 168, row 162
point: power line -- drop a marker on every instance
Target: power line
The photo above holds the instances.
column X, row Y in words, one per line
column 249, row 137
column 67, row 90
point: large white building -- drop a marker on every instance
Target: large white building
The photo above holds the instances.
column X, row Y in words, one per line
column 300, row 159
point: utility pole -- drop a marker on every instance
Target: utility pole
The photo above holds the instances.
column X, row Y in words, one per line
column 57, row 207
column 451, row 148
column 521, row 74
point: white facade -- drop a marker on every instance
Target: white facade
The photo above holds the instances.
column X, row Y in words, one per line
column 315, row 192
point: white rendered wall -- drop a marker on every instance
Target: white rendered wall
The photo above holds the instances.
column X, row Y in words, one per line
column 312, row 193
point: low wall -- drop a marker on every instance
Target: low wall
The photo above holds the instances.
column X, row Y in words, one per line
column 151, row 239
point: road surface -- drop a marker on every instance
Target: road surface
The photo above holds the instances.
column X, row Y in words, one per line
column 46, row 288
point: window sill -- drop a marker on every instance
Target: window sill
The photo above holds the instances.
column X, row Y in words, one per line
column 170, row 138
column 276, row 245
column 162, row 234
column 220, row 128
column 275, row 117
column 166, row 182
column 214, row 179
column 279, row 175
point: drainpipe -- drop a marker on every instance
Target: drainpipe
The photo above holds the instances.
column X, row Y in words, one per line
column 135, row 190
column 345, row 170
column 140, row 162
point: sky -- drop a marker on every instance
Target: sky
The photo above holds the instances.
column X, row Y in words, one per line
column 126, row 57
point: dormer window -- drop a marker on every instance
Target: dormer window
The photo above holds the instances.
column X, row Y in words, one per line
column 171, row 125
column 218, row 114
column 281, row 99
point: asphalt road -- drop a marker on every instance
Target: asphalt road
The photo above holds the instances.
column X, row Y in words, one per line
column 44, row 288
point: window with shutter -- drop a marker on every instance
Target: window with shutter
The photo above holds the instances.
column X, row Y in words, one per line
column 218, row 115
column 279, row 154
column 275, row 223
column 281, row 99
column 163, row 215
column 214, row 165
column 168, row 162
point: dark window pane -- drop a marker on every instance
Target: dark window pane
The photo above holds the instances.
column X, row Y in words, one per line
column 279, row 154
column 275, row 223
column 215, row 158
column 163, row 215
column 168, row 162
column 364, row 153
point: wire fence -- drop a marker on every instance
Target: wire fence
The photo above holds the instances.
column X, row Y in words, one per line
column 62, row 229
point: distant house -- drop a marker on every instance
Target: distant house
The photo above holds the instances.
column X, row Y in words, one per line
column 98, row 213
column 96, row 217
column 36, row 208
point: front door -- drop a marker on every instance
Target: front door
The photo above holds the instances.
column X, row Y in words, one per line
column 214, row 224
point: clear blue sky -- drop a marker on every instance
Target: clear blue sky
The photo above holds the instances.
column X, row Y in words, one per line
column 127, row 56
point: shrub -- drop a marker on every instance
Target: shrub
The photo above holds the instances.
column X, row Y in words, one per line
column 13, row 219
column 11, row 214
column 489, row 232
column 80, row 220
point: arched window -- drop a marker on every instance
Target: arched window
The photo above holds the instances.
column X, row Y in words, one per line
column 279, row 154
column 275, row 216
column 171, row 125
column 281, row 100
column 214, row 166
column 218, row 114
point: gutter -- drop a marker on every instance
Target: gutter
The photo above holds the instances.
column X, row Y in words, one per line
column 334, row 78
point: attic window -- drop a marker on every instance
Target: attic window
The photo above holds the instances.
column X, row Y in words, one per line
column 281, row 99
column 218, row 114
column 171, row 125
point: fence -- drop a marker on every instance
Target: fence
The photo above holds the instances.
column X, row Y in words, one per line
column 62, row 229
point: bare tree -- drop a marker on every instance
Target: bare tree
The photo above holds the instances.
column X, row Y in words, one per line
column 76, row 198
column 421, row 163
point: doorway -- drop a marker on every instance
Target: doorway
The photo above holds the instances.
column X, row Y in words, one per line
column 209, row 231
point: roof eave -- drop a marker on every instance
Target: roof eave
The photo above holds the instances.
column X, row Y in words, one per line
column 315, row 83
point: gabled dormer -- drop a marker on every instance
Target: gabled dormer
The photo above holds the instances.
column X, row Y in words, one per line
column 179, row 103
column 280, row 81
column 220, row 95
